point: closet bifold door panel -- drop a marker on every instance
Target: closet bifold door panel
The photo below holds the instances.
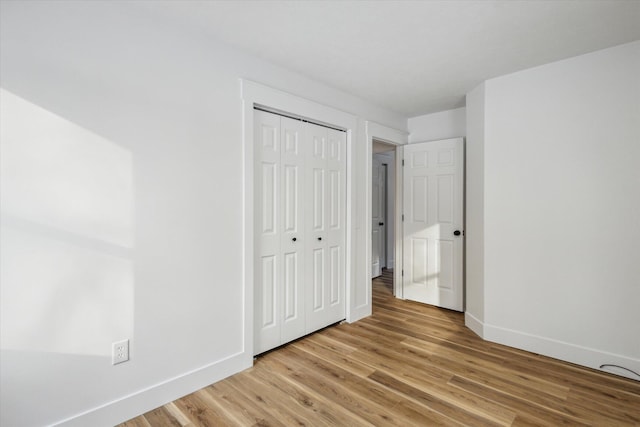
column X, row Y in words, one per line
column 268, row 257
column 299, row 226
column 279, row 292
column 336, row 226
column 325, row 184
column 293, row 237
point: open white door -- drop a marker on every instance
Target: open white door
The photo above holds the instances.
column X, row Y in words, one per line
column 433, row 235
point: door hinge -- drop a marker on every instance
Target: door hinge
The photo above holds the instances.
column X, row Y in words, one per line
column 402, row 217
column 402, row 274
column 402, row 162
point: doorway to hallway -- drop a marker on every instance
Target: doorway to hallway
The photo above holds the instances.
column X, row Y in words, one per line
column 382, row 286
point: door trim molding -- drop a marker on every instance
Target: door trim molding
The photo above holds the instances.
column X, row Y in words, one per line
column 253, row 94
column 398, row 138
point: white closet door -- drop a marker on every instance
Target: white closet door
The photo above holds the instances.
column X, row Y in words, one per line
column 300, row 227
column 336, row 227
column 316, row 253
column 268, row 223
column 292, row 236
column 325, row 166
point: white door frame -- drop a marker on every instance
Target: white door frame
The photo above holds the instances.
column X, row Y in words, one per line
column 255, row 94
column 398, row 138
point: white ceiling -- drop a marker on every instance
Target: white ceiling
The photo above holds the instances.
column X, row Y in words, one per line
column 414, row 57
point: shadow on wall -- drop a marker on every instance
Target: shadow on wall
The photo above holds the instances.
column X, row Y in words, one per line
column 66, row 263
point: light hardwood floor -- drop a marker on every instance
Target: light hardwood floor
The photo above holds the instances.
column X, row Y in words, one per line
column 407, row 365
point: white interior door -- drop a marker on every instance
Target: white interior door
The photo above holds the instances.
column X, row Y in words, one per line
column 382, row 224
column 377, row 217
column 433, row 235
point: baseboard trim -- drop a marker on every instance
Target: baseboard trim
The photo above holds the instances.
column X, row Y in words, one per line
column 359, row 313
column 584, row 356
column 134, row 404
column 472, row 322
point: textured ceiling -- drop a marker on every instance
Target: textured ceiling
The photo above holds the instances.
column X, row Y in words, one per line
column 413, row 57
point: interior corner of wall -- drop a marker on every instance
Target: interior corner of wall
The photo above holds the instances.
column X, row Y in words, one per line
column 473, row 323
column 358, row 314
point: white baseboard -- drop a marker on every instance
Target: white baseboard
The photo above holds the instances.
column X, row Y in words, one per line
column 358, row 313
column 137, row 403
column 142, row 401
column 584, row 356
column 474, row 324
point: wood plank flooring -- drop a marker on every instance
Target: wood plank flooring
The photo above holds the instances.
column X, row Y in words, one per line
column 407, row 365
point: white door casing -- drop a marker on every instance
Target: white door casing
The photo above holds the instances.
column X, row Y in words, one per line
column 300, row 229
column 397, row 138
column 433, row 180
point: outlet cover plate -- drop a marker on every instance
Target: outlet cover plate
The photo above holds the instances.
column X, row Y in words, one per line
column 120, row 352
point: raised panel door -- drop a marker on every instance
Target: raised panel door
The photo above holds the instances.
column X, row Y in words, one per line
column 268, row 227
column 335, row 269
column 300, row 184
column 293, row 232
column 377, row 208
column 433, row 225
column 316, row 167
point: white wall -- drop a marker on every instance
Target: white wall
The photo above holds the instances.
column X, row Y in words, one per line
column 562, row 208
column 122, row 208
column 441, row 125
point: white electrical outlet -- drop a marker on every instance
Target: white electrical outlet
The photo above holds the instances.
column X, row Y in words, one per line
column 120, row 352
